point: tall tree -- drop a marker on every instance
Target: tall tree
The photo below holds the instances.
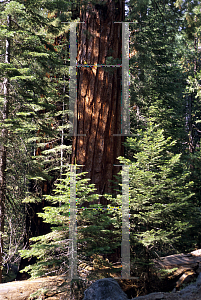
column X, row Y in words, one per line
column 99, row 93
column 3, row 145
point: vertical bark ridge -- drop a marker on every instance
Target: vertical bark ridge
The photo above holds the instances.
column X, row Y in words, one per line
column 99, row 94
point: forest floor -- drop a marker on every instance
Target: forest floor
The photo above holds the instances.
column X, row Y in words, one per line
column 45, row 288
column 58, row 287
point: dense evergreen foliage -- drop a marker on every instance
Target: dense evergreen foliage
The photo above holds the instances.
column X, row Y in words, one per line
column 163, row 154
column 93, row 228
column 162, row 210
column 36, row 108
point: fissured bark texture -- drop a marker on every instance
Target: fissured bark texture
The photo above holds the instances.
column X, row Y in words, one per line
column 99, row 93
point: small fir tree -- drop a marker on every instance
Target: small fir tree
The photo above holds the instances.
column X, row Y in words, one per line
column 93, row 227
column 161, row 210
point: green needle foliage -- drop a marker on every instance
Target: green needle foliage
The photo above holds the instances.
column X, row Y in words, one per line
column 165, row 179
column 161, row 210
column 37, row 113
column 93, row 226
column 157, row 80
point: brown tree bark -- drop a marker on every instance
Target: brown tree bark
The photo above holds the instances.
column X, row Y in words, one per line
column 3, row 150
column 99, row 94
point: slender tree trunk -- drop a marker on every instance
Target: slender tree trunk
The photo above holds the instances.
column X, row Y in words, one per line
column 3, row 150
column 99, row 93
column 190, row 123
column 192, row 138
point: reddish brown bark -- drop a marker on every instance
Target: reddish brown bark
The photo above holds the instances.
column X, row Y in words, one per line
column 99, row 94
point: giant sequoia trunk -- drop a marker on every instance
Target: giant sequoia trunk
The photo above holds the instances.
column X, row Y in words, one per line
column 99, row 93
